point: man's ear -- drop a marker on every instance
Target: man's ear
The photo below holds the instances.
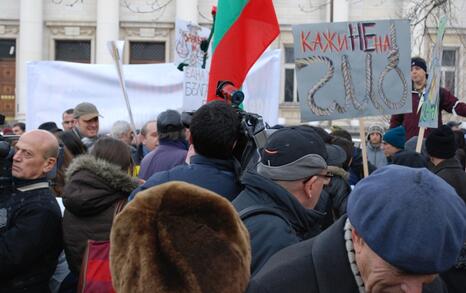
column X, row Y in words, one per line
column 49, row 164
column 309, row 187
column 358, row 242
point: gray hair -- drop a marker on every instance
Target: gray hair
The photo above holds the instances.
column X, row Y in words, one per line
column 119, row 128
column 144, row 127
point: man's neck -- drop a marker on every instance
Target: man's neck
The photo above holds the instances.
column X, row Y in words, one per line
column 436, row 161
column 419, row 86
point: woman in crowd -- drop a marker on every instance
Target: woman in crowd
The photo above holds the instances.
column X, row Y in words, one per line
column 95, row 184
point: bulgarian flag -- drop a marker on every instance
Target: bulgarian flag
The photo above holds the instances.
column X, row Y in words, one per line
column 243, row 30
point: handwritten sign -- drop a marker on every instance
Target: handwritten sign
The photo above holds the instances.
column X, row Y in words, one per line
column 430, row 99
column 194, row 87
column 353, row 69
column 188, row 41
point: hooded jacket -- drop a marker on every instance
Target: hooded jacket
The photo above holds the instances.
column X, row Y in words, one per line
column 376, row 156
column 93, row 188
column 270, row 233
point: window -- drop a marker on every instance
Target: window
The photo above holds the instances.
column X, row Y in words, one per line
column 73, row 51
column 146, row 52
column 449, row 59
column 7, row 49
column 290, row 93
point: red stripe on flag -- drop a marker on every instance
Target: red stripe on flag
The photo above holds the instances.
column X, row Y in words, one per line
column 242, row 45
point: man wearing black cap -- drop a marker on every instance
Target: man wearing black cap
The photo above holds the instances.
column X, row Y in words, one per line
column 395, row 238
column 448, row 101
column 172, row 148
column 441, row 147
column 277, row 203
column 215, row 128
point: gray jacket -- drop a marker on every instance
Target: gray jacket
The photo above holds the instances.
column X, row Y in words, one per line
column 375, row 156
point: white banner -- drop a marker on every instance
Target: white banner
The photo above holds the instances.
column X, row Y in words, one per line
column 54, row 86
column 194, row 87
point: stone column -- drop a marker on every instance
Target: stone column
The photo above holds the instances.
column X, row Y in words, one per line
column 187, row 10
column 31, row 27
column 340, row 10
column 108, row 27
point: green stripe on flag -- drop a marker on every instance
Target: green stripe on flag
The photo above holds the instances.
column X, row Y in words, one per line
column 227, row 13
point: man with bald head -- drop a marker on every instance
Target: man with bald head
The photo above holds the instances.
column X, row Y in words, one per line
column 30, row 219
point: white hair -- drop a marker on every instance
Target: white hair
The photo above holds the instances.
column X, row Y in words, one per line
column 119, row 128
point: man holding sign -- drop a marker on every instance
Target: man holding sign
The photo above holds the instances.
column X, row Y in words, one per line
column 448, row 101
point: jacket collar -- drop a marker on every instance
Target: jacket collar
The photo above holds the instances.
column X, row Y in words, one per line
column 224, row 165
column 30, row 184
column 304, row 220
column 179, row 143
column 331, row 260
column 451, row 163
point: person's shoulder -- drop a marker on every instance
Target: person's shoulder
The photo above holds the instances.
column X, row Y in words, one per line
column 289, row 270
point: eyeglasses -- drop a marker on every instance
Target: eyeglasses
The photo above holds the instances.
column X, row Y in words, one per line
column 325, row 178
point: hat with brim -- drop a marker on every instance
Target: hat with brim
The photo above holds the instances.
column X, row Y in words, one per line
column 50, row 126
column 86, row 111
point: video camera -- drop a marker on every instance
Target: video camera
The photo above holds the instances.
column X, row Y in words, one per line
column 252, row 130
column 6, row 159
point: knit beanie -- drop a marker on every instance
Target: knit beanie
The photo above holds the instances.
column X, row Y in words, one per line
column 375, row 128
column 441, row 143
column 396, row 137
column 419, row 62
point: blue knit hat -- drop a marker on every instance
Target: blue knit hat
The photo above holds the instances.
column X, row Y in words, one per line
column 396, row 137
column 417, row 225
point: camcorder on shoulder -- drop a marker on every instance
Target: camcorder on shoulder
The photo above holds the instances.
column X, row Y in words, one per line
column 252, row 130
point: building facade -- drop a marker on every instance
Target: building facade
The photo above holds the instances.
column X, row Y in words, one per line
column 78, row 30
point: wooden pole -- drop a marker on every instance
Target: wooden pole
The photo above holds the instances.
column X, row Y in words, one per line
column 420, row 138
column 362, row 135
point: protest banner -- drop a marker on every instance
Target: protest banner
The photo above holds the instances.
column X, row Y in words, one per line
column 195, row 84
column 429, row 103
column 188, row 38
column 54, row 86
column 353, row 69
column 429, row 106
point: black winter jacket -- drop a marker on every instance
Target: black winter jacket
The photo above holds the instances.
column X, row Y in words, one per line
column 451, row 171
column 213, row 174
column 30, row 237
column 270, row 233
column 317, row 265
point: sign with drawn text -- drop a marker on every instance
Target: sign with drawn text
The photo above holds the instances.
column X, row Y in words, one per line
column 188, row 43
column 429, row 102
column 353, row 69
column 194, row 88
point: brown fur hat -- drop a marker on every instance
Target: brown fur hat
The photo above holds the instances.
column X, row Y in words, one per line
column 177, row 237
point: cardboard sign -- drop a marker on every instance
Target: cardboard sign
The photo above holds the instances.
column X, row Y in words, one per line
column 188, row 41
column 194, row 88
column 353, row 69
column 430, row 99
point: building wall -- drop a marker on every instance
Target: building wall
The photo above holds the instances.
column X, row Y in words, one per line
column 76, row 20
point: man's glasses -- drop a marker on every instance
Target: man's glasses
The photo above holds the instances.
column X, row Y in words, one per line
column 325, row 178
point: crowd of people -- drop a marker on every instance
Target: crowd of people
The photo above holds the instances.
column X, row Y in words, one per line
column 182, row 216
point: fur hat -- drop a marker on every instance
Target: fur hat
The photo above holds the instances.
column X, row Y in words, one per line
column 396, row 137
column 177, row 237
column 440, row 143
